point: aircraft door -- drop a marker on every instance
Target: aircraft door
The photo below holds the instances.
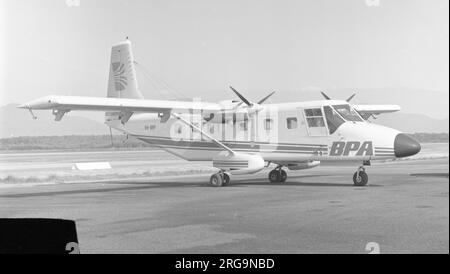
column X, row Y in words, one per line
column 315, row 121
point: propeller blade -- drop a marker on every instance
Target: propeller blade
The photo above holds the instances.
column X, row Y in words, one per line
column 238, row 105
column 351, row 97
column 326, row 96
column 242, row 97
column 265, row 98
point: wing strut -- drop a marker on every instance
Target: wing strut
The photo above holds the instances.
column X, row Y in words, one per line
column 217, row 142
column 32, row 114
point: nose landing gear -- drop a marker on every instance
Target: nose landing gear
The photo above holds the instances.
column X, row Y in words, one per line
column 360, row 178
column 278, row 175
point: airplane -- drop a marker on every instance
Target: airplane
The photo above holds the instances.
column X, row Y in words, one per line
column 241, row 136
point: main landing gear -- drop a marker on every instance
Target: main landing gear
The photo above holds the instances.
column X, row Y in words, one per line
column 278, row 175
column 220, row 179
column 360, row 178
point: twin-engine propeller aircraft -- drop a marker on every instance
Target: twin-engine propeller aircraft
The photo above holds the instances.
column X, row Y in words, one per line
column 241, row 137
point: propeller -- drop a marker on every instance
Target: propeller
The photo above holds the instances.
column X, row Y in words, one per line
column 265, row 98
column 328, row 97
column 247, row 102
column 253, row 109
column 243, row 99
column 351, row 97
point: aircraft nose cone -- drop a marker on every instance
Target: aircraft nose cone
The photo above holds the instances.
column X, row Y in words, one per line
column 405, row 146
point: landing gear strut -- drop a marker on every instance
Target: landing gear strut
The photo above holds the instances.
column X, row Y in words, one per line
column 360, row 178
column 278, row 175
column 220, row 179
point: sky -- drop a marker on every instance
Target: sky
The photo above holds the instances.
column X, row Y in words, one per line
column 200, row 47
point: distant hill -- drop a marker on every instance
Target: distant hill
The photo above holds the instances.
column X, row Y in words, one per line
column 412, row 123
column 18, row 122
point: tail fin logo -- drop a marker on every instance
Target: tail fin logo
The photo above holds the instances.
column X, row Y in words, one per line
column 120, row 80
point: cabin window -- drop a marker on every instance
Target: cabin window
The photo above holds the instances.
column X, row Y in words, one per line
column 211, row 129
column 333, row 119
column 268, row 124
column 291, row 123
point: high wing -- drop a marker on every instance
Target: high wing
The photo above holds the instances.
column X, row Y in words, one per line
column 68, row 103
column 368, row 111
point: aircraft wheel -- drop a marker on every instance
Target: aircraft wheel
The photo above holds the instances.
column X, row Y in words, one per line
column 216, row 180
column 226, row 179
column 274, row 176
column 283, row 176
column 360, row 180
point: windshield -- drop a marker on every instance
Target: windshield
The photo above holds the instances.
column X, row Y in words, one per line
column 348, row 113
column 333, row 119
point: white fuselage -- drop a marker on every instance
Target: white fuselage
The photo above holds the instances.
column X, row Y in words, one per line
column 280, row 133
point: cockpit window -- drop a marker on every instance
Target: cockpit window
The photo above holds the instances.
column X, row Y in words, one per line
column 333, row 119
column 348, row 113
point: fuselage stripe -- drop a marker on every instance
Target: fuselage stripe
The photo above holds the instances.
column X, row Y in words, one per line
column 210, row 145
column 230, row 143
column 235, row 149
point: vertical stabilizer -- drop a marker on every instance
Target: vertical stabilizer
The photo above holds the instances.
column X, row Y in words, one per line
column 122, row 74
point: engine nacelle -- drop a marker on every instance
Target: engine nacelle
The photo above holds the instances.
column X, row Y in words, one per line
column 303, row 165
column 239, row 163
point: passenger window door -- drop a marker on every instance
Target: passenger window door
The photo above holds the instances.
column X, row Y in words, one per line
column 315, row 122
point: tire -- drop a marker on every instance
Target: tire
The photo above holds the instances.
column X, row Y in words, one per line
column 226, row 180
column 216, row 180
column 274, row 176
column 283, row 176
column 363, row 178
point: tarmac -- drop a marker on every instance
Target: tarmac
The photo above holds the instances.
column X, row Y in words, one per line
column 405, row 209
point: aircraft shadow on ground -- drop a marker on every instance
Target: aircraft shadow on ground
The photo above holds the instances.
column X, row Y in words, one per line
column 263, row 182
column 240, row 182
column 129, row 186
column 435, row 175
